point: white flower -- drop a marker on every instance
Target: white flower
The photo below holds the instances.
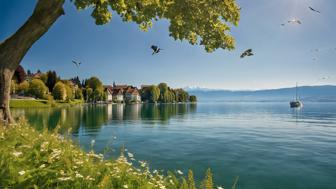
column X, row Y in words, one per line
column 179, row 172
column 64, row 178
column 130, row 155
column 115, row 138
column 22, row 172
column 79, row 175
column 125, row 186
column 42, row 166
column 155, row 171
column 92, row 142
column 219, row 187
column 17, row 154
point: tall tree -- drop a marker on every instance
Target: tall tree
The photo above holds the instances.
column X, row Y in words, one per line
column 51, row 80
column 199, row 22
column 20, row 74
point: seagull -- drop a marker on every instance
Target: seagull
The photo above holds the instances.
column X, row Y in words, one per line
column 248, row 52
column 312, row 9
column 295, row 21
column 76, row 63
column 155, row 49
column 325, row 78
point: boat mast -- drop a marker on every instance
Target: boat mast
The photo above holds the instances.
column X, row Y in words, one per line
column 296, row 94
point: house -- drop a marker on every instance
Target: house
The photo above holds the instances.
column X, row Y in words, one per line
column 118, row 95
column 122, row 93
column 109, row 93
column 132, row 95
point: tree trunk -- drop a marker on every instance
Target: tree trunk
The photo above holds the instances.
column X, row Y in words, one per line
column 5, row 76
column 14, row 48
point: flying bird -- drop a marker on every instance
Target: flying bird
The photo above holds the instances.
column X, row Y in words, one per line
column 312, row 9
column 325, row 78
column 295, row 21
column 248, row 52
column 155, row 49
column 76, row 63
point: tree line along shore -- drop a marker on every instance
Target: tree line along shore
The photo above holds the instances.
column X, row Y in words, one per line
column 48, row 89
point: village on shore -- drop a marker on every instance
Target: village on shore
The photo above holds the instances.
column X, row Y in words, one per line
column 51, row 88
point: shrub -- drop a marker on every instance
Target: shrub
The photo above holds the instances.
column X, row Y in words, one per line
column 23, row 87
column 59, row 91
column 193, row 98
column 69, row 93
column 79, row 94
column 37, row 88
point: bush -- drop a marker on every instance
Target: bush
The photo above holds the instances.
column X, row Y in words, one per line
column 69, row 93
column 193, row 98
column 79, row 94
column 37, row 88
column 23, row 87
column 59, row 91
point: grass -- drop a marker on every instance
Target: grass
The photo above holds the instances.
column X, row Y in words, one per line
column 45, row 159
column 27, row 103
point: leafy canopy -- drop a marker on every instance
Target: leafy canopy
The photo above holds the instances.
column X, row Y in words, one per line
column 203, row 22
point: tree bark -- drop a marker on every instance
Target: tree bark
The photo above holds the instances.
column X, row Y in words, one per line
column 14, row 48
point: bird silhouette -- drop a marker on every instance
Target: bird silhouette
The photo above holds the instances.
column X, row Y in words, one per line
column 248, row 52
column 312, row 9
column 155, row 49
column 76, row 63
column 295, row 21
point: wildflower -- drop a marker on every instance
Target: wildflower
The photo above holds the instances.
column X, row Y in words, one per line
column 155, row 171
column 42, row 166
column 44, row 146
column 22, row 172
column 79, row 175
column 179, row 172
column 92, row 142
column 2, row 136
column 17, row 154
column 108, row 164
column 171, row 181
column 89, row 178
column 64, row 178
column 130, row 155
column 219, row 187
column 125, row 186
column 142, row 163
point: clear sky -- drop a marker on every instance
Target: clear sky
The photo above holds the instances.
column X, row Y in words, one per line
column 120, row 52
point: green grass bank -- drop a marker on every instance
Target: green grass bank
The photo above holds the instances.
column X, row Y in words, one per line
column 27, row 103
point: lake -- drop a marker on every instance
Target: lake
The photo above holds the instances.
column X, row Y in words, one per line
column 268, row 145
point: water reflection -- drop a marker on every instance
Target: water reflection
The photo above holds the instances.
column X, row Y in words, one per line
column 94, row 116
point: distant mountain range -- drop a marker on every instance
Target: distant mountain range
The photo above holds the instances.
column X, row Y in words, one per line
column 325, row 93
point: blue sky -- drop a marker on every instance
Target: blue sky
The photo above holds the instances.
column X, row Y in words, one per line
column 120, row 51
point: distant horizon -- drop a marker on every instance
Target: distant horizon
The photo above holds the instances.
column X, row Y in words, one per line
column 252, row 90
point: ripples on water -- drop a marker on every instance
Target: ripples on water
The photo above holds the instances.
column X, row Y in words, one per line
column 268, row 144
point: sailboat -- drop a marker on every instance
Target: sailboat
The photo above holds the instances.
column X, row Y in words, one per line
column 296, row 103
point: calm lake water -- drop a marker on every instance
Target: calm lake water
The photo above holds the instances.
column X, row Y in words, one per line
column 268, row 145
